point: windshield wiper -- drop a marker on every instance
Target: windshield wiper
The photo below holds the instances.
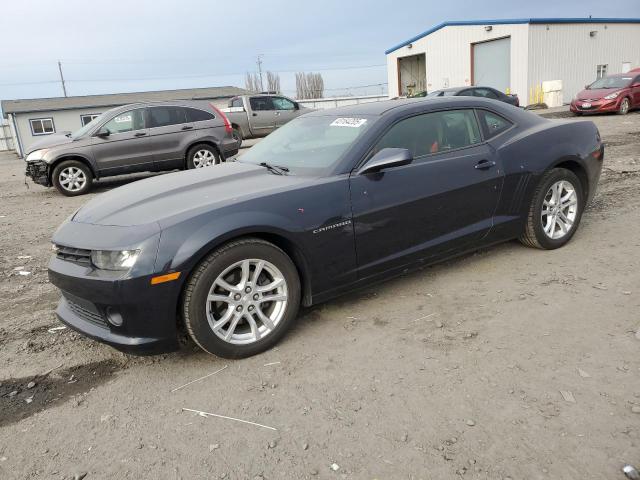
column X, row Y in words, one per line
column 274, row 168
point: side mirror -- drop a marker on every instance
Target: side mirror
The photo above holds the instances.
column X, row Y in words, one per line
column 586, row 87
column 387, row 158
column 296, row 105
column 103, row 132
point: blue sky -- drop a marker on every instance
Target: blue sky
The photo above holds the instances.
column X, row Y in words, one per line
column 137, row 45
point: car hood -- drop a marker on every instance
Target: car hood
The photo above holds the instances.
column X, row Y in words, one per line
column 170, row 198
column 49, row 141
column 596, row 93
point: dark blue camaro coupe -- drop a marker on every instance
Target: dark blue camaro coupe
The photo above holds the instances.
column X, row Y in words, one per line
column 332, row 201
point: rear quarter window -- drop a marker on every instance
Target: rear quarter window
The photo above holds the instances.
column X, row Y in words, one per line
column 197, row 115
column 493, row 124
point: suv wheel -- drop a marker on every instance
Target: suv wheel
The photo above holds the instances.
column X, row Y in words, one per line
column 72, row 178
column 241, row 299
column 555, row 211
column 202, row 156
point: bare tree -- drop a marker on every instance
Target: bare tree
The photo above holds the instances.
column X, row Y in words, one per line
column 252, row 82
column 309, row 85
column 273, row 82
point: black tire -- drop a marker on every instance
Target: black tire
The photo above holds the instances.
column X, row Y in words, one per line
column 625, row 106
column 194, row 303
column 195, row 156
column 84, row 178
column 534, row 234
column 237, row 134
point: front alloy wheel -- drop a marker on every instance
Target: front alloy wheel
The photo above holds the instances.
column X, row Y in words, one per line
column 624, row 106
column 72, row 178
column 247, row 301
column 241, row 299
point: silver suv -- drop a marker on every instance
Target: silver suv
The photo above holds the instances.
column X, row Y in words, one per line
column 141, row 137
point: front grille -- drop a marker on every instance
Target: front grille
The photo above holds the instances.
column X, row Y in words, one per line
column 85, row 310
column 76, row 255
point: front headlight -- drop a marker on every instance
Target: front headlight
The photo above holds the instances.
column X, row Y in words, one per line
column 37, row 155
column 611, row 96
column 114, row 259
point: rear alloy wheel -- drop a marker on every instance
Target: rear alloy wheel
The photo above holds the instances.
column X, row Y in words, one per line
column 202, row 156
column 72, row 178
column 555, row 211
column 242, row 299
column 624, row 106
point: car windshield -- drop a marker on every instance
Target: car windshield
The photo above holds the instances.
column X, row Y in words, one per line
column 610, row 82
column 309, row 145
column 83, row 131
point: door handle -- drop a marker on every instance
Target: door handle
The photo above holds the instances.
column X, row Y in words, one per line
column 187, row 127
column 277, row 113
column 140, row 134
column 484, row 165
column 254, row 114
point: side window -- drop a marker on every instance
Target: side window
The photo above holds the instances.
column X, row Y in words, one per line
column 467, row 93
column 42, row 126
column 280, row 103
column 126, row 121
column 236, row 102
column 261, row 103
column 197, row 115
column 165, row 116
column 431, row 133
column 492, row 123
column 484, row 92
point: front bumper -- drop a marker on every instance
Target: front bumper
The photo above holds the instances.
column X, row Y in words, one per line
column 38, row 171
column 597, row 106
column 93, row 304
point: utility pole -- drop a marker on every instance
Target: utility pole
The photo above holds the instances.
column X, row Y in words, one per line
column 64, row 88
column 259, row 62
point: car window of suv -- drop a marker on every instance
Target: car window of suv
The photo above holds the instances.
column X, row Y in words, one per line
column 236, row 102
column 283, row 103
column 261, row 103
column 126, row 121
column 492, row 123
column 432, row 133
column 165, row 116
column 484, row 92
column 197, row 115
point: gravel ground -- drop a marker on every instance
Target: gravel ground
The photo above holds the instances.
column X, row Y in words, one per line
column 508, row 363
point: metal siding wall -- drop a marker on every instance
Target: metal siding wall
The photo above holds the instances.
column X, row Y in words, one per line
column 566, row 52
column 448, row 56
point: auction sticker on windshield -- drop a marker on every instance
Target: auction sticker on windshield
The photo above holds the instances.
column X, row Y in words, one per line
column 349, row 122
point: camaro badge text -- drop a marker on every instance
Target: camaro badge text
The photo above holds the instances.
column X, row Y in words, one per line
column 331, row 227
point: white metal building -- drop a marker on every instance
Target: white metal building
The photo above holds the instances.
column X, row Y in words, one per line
column 31, row 119
column 515, row 55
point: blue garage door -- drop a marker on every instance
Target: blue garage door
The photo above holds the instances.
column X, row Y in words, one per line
column 492, row 64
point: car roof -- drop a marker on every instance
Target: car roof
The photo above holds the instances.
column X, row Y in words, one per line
column 407, row 104
column 181, row 103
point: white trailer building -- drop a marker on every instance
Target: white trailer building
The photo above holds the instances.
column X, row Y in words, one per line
column 514, row 56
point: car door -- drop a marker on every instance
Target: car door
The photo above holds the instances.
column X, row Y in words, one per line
column 440, row 203
column 285, row 110
column 121, row 145
column 169, row 133
column 262, row 119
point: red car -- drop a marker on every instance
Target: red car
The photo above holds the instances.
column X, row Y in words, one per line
column 614, row 93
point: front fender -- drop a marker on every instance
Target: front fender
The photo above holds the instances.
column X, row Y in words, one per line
column 181, row 251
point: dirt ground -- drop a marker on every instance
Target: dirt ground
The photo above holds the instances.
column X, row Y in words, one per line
column 508, row 363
